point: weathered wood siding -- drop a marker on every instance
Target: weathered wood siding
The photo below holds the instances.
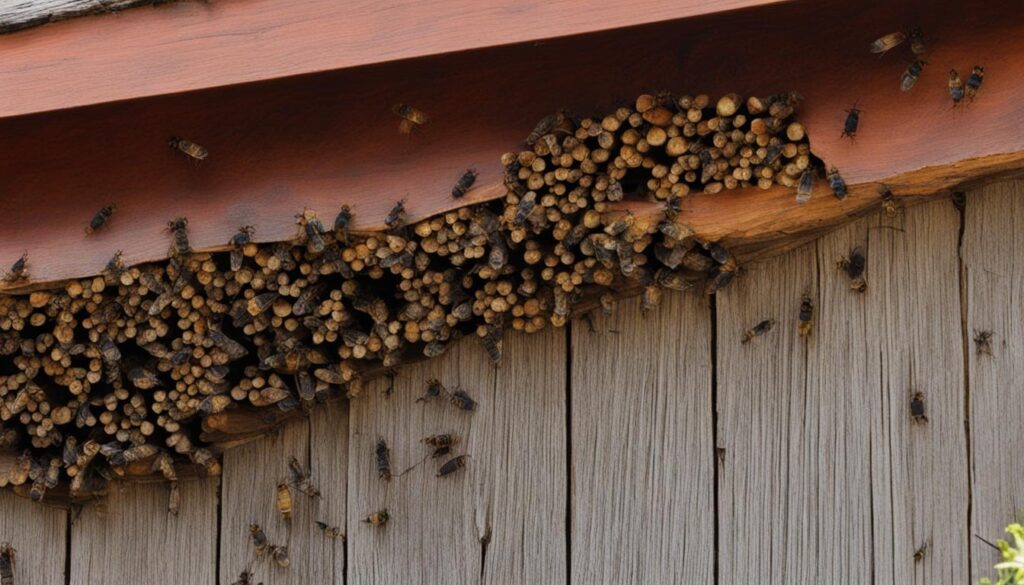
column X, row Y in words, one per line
column 646, row 449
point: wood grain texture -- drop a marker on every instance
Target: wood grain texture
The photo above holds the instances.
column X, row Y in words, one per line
column 921, row 469
column 326, row 140
column 501, row 519
column 642, row 451
column 194, row 45
column 39, row 535
column 251, row 475
column 328, row 460
column 130, row 537
column 17, row 15
column 993, row 271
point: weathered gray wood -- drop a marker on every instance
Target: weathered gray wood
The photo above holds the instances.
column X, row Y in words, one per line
column 20, row 14
column 328, row 455
column 642, row 451
column 501, row 519
column 39, row 534
column 251, row 475
column 914, row 326
column 130, row 537
column 993, row 256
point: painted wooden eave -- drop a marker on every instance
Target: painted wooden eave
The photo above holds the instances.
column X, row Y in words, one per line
column 190, row 45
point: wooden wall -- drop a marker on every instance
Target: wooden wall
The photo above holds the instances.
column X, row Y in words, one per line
column 647, row 449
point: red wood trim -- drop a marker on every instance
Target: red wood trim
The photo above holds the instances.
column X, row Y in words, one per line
column 185, row 46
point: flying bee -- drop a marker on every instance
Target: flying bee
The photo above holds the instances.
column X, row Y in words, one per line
column 956, row 87
column 18, row 271
column 983, row 343
column 836, row 182
column 280, row 556
column 378, row 518
column 853, row 265
column 100, row 219
column 443, row 440
column 284, row 501
column 917, row 410
column 852, row 122
column 917, row 41
column 238, row 243
column 180, row 245
column 758, row 330
column 259, row 539
column 888, row 201
column 261, row 303
column 462, row 401
column 806, row 316
column 974, row 82
column 312, row 230
column 329, row 531
column 341, row 223
column 395, row 218
column 300, row 478
column 452, row 465
column 411, row 117
column 806, row 186
column 434, row 390
column 885, row 43
column 188, row 147
column 464, row 184
column 910, row 75
column 383, row 458
column 7, row 561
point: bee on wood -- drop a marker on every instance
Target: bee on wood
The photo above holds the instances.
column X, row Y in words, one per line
column 341, row 223
column 983, row 343
column 837, row 184
column 300, row 478
column 852, row 122
column 434, row 349
column 284, row 501
column 260, row 303
column 164, row 463
column 651, row 298
column 143, row 379
column 443, row 440
column 312, row 230
column 464, row 184
column 7, row 561
column 434, row 390
column 910, row 75
column 188, row 147
column 238, row 243
column 806, row 186
column 920, row 553
column 853, row 265
column 246, row 578
column 917, row 41
column 452, row 465
column 395, row 218
column 332, row 532
column 492, row 341
column 497, row 258
column 887, row 42
column 100, row 219
column 280, row 556
column 956, row 87
column 673, row 205
column 806, row 316
column 180, row 245
column 462, row 401
column 917, row 410
column 758, row 330
column 544, row 126
column 47, row 478
column 411, row 117
column 115, row 266
column 383, row 458
column 378, row 518
column 174, row 499
column 440, row 452
column 232, row 348
column 974, row 82
column 888, row 201
column 121, row 458
column 524, row 208
column 259, row 539
column 18, row 271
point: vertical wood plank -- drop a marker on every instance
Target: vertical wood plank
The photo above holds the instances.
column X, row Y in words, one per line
column 502, row 518
column 132, row 538
column 328, row 454
column 770, row 525
column 993, row 256
column 251, row 475
column 642, row 451
column 39, row 535
column 914, row 325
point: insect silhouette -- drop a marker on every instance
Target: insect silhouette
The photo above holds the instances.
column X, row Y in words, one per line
column 378, row 518
column 100, row 219
column 758, row 330
column 189, row 148
column 956, row 87
column 18, row 271
column 852, row 122
column 974, row 82
column 887, row 42
column 910, row 75
column 452, row 465
column 837, row 184
column 983, row 343
column 917, row 409
column 464, row 183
